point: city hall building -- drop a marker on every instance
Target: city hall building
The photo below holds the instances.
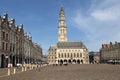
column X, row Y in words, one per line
column 65, row 51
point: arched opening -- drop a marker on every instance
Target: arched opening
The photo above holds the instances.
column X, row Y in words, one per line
column 78, row 61
column 74, row 61
column 61, row 61
column 65, row 60
column 82, row 61
column 69, row 61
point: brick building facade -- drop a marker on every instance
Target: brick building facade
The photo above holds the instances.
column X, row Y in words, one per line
column 110, row 52
column 15, row 45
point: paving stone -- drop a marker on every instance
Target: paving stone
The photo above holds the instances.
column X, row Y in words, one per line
column 70, row 72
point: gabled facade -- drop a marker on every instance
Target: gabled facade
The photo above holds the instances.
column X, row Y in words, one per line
column 110, row 53
column 51, row 57
column 15, row 46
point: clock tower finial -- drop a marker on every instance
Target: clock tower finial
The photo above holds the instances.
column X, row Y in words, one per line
column 62, row 30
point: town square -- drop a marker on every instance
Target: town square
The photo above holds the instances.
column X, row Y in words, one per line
column 69, row 72
column 59, row 40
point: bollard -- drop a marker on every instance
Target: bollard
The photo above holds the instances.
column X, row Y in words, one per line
column 32, row 66
column 8, row 71
column 25, row 68
column 14, row 71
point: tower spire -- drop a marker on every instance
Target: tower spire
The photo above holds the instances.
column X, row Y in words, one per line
column 62, row 31
column 62, row 22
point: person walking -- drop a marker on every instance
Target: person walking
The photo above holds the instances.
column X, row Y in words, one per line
column 39, row 66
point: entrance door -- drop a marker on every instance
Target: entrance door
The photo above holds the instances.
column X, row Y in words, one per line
column 78, row 61
column 69, row 61
column 2, row 61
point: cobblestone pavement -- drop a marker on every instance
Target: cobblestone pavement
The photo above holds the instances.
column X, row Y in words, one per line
column 70, row 72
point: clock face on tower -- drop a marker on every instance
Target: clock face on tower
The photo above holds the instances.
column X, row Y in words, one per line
column 61, row 37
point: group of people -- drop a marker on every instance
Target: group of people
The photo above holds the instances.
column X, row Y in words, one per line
column 39, row 66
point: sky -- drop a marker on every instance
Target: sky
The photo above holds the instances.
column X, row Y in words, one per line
column 94, row 22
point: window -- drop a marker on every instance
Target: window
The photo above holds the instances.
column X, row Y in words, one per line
column 68, row 54
column 11, row 47
column 77, row 54
column 65, row 55
column 62, row 55
column 3, row 44
column 71, row 55
column 6, row 46
column 59, row 55
column 3, row 35
column 6, row 36
column 74, row 55
column 80, row 54
column 61, row 31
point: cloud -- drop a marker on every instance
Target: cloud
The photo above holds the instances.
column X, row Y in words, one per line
column 105, row 15
column 101, row 24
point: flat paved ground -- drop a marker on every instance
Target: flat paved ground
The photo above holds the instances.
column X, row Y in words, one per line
column 70, row 72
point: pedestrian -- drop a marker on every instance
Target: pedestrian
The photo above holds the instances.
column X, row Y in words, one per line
column 39, row 66
column 10, row 65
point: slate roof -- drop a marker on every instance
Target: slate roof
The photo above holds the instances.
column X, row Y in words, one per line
column 53, row 47
column 74, row 45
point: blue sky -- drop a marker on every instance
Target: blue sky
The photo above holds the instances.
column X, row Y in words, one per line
column 93, row 22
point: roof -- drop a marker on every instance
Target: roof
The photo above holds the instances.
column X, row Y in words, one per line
column 52, row 47
column 63, row 45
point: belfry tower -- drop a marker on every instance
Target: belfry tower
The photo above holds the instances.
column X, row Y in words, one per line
column 60, row 52
column 62, row 31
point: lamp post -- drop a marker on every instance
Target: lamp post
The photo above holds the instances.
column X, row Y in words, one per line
column 29, row 51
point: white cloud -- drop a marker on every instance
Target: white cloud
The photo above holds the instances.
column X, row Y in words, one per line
column 102, row 23
column 108, row 14
column 106, row 10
